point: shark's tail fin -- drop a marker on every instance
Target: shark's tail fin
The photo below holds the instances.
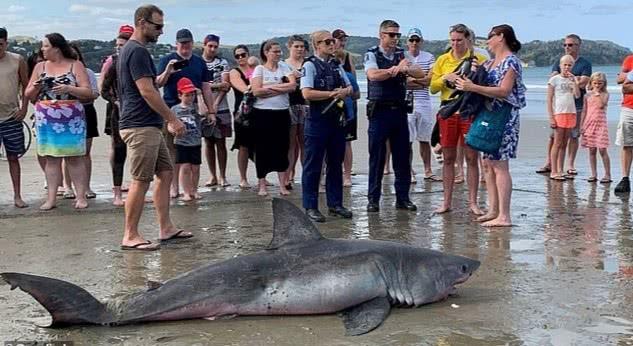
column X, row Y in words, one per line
column 67, row 303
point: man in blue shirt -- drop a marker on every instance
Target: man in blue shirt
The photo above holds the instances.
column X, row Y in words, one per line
column 582, row 71
column 196, row 71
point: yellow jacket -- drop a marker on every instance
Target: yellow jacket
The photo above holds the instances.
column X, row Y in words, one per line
column 445, row 64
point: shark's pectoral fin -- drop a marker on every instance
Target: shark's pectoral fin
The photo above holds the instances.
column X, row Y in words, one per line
column 365, row 317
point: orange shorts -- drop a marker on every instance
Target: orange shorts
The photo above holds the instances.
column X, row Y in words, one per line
column 565, row 120
column 452, row 129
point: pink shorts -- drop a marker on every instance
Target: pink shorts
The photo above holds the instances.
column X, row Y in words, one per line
column 565, row 120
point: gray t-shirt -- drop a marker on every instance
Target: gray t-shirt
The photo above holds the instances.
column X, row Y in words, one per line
column 135, row 63
column 191, row 119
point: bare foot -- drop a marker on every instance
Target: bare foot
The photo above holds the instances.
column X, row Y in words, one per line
column 19, row 203
column 244, row 184
column 224, row 183
column 347, row 182
column 174, row 194
column 262, row 193
column 498, row 222
column 48, row 205
column 284, row 192
column 474, row 208
column 268, row 183
column 81, row 204
column 443, row 209
column 149, row 200
column 197, row 196
column 386, row 172
column 118, row 202
column 186, row 198
column 487, row 217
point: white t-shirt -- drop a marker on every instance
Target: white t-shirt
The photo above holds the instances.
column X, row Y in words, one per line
column 425, row 61
column 564, row 99
column 270, row 78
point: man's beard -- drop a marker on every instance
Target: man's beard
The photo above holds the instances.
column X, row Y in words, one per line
column 151, row 39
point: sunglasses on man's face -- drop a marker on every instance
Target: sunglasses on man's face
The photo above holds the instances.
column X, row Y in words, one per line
column 568, row 44
column 156, row 26
column 240, row 56
column 327, row 41
column 414, row 40
column 393, row 34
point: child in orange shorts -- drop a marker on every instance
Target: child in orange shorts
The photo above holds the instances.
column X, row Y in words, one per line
column 562, row 90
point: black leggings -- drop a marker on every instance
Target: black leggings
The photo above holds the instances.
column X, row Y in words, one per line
column 117, row 160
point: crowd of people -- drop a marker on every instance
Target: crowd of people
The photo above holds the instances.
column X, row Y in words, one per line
column 303, row 108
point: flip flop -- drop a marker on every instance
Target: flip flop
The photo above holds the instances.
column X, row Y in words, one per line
column 69, row 195
column 592, row 179
column 91, row 195
column 178, row 235
column 605, row 181
column 544, row 170
column 145, row 246
column 433, row 177
column 215, row 183
column 572, row 171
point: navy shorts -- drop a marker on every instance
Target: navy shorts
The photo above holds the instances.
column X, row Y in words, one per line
column 12, row 137
column 188, row 154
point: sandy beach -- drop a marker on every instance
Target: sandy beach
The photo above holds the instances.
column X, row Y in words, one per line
column 563, row 275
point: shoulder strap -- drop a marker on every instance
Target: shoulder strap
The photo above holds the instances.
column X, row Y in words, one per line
column 71, row 67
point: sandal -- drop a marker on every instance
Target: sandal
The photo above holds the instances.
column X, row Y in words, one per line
column 558, row 177
column 433, row 177
column 592, row 179
column 544, row 170
column 572, row 171
column 69, row 194
column 605, row 180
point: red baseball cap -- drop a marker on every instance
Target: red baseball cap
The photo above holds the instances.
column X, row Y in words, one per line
column 126, row 29
column 185, row 86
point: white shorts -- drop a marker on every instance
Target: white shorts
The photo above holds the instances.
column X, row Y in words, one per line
column 624, row 133
column 421, row 123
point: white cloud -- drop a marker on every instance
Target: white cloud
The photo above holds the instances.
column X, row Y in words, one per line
column 15, row 8
column 98, row 11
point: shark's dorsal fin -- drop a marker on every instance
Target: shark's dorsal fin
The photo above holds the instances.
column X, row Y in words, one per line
column 291, row 225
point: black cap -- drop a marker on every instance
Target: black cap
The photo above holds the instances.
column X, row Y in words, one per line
column 184, row 35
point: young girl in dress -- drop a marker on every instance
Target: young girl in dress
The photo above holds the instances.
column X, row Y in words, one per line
column 593, row 125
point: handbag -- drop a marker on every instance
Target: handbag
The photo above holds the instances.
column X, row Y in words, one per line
column 486, row 131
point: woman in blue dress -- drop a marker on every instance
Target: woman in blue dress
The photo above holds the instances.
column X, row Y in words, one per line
column 505, row 86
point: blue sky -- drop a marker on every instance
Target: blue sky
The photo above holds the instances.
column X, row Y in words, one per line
column 250, row 21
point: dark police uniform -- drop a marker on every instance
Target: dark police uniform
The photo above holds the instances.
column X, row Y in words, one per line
column 324, row 134
column 387, row 115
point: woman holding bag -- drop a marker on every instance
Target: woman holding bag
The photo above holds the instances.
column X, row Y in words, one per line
column 507, row 89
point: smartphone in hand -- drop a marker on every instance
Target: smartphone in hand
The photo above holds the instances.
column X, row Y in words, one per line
column 180, row 64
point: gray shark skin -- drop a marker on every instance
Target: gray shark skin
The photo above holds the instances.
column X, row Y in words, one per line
column 300, row 273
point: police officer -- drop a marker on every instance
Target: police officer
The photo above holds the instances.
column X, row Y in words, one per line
column 387, row 71
column 324, row 84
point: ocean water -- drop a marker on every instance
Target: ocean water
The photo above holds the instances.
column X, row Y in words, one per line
column 535, row 79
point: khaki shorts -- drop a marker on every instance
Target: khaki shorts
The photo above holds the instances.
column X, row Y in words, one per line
column 624, row 133
column 147, row 152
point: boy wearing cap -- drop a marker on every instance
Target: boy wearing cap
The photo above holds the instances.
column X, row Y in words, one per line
column 188, row 146
column 215, row 134
column 421, row 121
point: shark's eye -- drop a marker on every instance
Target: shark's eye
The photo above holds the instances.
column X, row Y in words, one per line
column 464, row 268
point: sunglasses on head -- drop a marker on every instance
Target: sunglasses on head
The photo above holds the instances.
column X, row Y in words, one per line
column 393, row 34
column 327, row 41
column 492, row 34
column 414, row 40
column 240, row 56
column 157, row 26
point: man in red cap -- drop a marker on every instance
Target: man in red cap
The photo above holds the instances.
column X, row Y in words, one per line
column 118, row 151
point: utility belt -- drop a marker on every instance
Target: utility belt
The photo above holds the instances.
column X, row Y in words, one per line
column 375, row 106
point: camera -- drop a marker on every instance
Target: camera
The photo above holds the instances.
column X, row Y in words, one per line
column 46, row 81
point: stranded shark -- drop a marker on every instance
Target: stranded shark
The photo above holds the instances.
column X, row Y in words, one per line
column 300, row 272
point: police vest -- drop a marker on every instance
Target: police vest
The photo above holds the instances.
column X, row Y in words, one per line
column 327, row 78
column 392, row 89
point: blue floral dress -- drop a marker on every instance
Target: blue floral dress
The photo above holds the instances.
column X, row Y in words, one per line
column 516, row 99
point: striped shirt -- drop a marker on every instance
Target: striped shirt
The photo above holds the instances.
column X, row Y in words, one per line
column 425, row 60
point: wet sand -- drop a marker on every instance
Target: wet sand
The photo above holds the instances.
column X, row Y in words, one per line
column 563, row 275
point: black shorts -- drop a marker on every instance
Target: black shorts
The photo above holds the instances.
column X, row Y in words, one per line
column 188, row 154
column 92, row 129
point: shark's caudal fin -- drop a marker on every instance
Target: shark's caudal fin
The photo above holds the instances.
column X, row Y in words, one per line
column 67, row 303
column 291, row 225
